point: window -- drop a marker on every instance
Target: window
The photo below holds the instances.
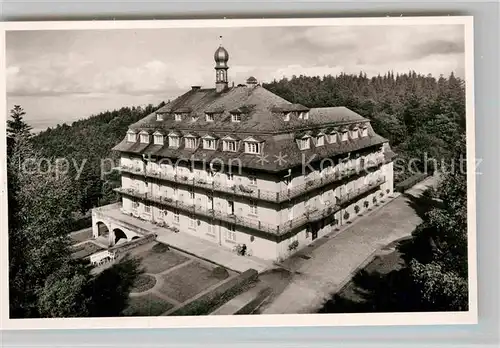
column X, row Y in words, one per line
column 210, row 230
column 174, row 141
column 131, row 137
column 354, row 133
column 287, row 116
column 210, row 202
column 159, row 116
column 192, row 222
column 344, row 136
column 209, row 144
column 252, row 179
column 209, row 117
column 158, row 139
column 320, row 141
column 236, row 117
column 178, row 117
column 147, row 209
column 305, row 115
column 231, row 233
column 190, row 143
column 161, row 214
column 364, row 132
column 253, row 207
column 332, row 138
column 304, row 144
column 194, row 118
column 229, row 145
column 252, row 147
column 191, row 193
column 176, row 216
column 230, row 177
column 144, row 138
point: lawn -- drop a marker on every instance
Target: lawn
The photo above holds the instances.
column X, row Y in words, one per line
column 86, row 249
column 157, row 260
column 146, row 305
column 189, row 280
column 81, row 236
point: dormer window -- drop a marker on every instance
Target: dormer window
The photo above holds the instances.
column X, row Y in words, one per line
column 252, row 148
column 190, row 143
column 144, row 137
column 287, row 116
column 304, row 115
column 131, row 136
column 158, row 138
column 174, row 141
column 229, row 145
column 194, row 118
column 364, row 131
column 159, row 116
column 253, row 145
column 236, row 117
column 355, row 132
column 209, row 144
column 320, row 140
column 178, row 117
column 304, row 143
column 209, row 117
column 332, row 138
column 345, row 135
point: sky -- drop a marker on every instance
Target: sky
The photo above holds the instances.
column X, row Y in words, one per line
column 62, row 76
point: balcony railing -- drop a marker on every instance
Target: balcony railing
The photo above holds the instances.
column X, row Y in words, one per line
column 253, row 192
column 314, row 214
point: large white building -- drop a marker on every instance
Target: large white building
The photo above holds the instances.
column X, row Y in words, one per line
column 241, row 166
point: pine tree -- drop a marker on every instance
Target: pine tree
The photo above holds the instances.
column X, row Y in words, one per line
column 17, row 126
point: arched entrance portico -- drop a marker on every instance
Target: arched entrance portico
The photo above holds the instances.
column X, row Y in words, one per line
column 102, row 230
column 119, row 235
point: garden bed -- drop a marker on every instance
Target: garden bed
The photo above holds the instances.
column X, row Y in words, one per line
column 189, row 280
column 147, row 305
column 144, row 282
column 84, row 250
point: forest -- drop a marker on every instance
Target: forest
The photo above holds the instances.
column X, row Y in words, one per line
column 423, row 117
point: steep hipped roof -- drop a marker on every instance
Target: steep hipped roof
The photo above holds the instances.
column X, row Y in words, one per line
column 262, row 117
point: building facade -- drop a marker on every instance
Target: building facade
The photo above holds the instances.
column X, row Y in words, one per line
column 248, row 170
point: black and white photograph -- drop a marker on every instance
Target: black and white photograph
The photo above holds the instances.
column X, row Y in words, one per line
column 239, row 172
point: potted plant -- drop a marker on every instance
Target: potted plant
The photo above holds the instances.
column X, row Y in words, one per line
column 356, row 209
column 346, row 215
column 293, row 245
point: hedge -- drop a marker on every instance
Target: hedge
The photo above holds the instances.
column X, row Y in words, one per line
column 206, row 303
column 410, row 182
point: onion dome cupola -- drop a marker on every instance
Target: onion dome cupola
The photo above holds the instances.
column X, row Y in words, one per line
column 221, row 58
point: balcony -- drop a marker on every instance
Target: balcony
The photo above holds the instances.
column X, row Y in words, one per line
column 252, row 192
column 311, row 216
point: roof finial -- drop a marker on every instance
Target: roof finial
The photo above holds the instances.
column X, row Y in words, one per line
column 220, row 40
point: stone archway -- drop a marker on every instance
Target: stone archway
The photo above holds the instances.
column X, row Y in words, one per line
column 102, row 230
column 119, row 234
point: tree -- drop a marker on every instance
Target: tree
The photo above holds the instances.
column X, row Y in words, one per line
column 17, row 126
column 44, row 280
column 441, row 273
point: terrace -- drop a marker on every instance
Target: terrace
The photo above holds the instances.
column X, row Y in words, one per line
column 250, row 192
column 315, row 214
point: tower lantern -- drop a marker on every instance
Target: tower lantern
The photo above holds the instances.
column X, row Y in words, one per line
column 221, row 57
